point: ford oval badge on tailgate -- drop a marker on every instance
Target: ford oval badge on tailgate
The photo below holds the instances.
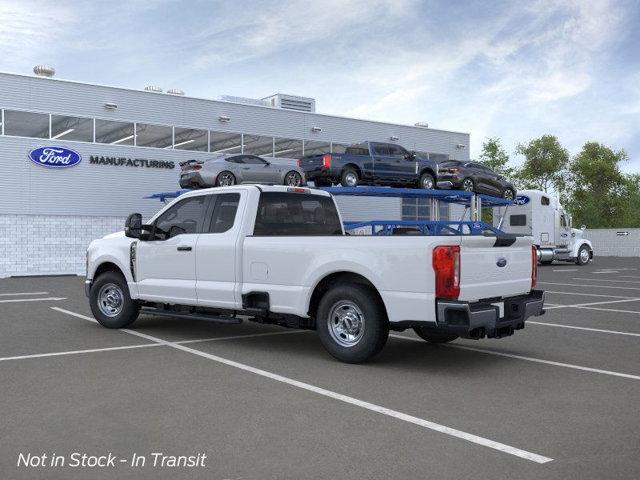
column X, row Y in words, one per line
column 501, row 262
column 56, row 157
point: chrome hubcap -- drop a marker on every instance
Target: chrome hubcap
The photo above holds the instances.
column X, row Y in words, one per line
column 226, row 180
column 110, row 300
column 427, row 182
column 351, row 179
column 293, row 179
column 584, row 255
column 467, row 186
column 346, row 323
column 508, row 194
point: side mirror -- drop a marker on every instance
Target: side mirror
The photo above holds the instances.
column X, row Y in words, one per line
column 133, row 226
column 583, row 227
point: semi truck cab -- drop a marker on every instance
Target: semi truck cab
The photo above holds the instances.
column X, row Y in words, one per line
column 537, row 214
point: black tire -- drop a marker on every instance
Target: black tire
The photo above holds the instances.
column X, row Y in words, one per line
column 349, row 177
column 468, row 185
column 582, row 258
column 427, row 179
column 369, row 339
column 130, row 309
column 221, row 179
column 546, row 262
column 509, row 194
column 432, row 336
column 293, row 179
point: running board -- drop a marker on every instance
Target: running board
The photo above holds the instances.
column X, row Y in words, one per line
column 192, row 316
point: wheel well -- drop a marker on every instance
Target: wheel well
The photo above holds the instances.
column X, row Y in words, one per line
column 354, row 167
column 334, row 279
column 107, row 267
column 429, row 171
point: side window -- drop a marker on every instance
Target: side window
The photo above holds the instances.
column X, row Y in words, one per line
column 544, row 200
column 236, row 159
column 253, row 160
column 381, row 149
column 563, row 221
column 186, row 216
column 296, row 214
column 518, row 220
column 224, row 213
column 396, row 151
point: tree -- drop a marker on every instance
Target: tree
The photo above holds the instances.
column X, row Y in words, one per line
column 600, row 192
column 545, row 164
column 495, row 157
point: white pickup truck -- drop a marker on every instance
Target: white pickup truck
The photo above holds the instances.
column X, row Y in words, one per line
column 280, row 255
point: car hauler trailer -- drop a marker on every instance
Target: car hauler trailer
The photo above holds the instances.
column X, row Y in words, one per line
column 541, row 216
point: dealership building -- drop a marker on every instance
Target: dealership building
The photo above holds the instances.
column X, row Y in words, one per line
column 128, row 144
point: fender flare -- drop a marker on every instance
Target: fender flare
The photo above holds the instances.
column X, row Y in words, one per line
column 578, row 245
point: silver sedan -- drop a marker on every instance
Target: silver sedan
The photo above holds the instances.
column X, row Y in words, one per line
column 225, row 170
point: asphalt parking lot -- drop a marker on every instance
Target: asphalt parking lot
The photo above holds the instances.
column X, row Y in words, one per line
column 560, row 399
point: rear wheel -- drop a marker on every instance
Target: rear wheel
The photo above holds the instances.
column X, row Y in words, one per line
column 349, row 178
column 293, row 179
column 433, row 337
column 584, row 255
column 110, row 301
column 225, row 179
column 468, row 185
column 427, row 181
column 508, row 193
column 352, row 323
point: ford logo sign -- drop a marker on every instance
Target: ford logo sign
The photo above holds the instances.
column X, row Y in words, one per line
column 55, row 157
column 502, row 262
column 521, row 200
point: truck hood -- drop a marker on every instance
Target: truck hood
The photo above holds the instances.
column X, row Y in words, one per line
column 115, row 235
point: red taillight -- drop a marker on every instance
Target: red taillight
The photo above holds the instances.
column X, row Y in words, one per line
column 298, row 162
column 196, row 167
column 326, row 161
column 446, row 264
column 534, row 266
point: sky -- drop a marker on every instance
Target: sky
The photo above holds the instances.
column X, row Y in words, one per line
column 514, row 70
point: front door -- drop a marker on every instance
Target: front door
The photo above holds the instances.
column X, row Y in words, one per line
column 256, row 169
column 166, row 265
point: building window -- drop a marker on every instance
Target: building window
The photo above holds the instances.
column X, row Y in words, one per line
column 158, row 136
column 72, row 128
column 224, row 142
column 287, row 148
column 114, row 133
column 26, row 124
column 191, row 139
column 312, row 147
column 258, row 145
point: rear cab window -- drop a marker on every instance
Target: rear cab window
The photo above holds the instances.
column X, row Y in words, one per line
column 360, row 149
column 296, row 214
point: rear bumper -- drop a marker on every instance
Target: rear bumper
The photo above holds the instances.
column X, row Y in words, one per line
column 192, row 180
column 479, row 320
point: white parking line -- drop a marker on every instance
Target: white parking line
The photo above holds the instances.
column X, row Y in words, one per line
column 340, row 397
column 605, row 280
column 589, row 285
column 565, row 269
column 598, row 330
column 46, row 299
column 23, row 293
column 610, row 310
column 235, row 337
column 585, row 294
column 75, row 352
column 528, row 359
column 594, row 303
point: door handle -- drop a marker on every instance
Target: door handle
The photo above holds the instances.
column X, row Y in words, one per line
column 184, row 248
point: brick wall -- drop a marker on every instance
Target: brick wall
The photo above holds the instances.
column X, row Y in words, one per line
column 49, row 244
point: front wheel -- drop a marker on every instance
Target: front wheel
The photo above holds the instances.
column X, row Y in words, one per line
column 433, row 337
column 427, row 181
column 468, row 185
column 584, row 255
column 352, row 323
column 508, row 194
column 111, row 303
column 293, row 179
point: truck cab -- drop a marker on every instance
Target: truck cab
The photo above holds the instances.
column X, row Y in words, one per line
column 537, row 214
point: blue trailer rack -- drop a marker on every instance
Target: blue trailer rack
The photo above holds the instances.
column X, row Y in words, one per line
column 472, row 202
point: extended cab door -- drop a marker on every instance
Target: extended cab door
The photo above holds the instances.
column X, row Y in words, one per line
column 166, row 265
column 217, row 252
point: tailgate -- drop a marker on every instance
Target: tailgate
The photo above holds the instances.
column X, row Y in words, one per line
column 310, row 163
column 487, row 271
